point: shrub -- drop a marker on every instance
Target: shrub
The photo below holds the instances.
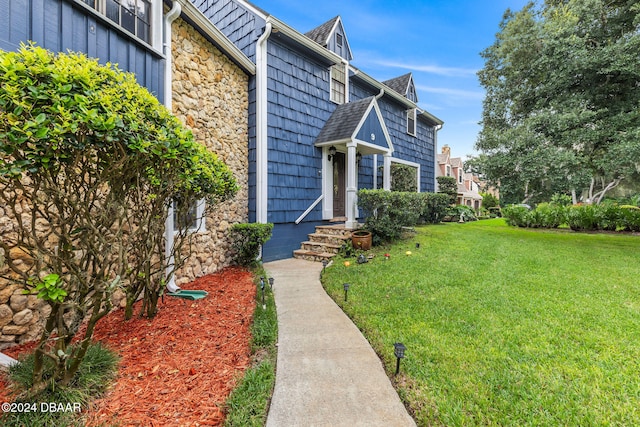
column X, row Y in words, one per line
column 387, row 212
column 247, row 240
column 548, row 215
column 434, row 207
column 98, row 369
column 516, row 215
column 448, row 185
column 629, row 218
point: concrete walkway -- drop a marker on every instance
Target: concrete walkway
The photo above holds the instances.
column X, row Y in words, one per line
column 328, row 374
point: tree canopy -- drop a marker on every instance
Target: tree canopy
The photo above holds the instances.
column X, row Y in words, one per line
column 562, row 106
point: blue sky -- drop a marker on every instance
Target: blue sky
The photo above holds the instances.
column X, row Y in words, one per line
column 438, row 40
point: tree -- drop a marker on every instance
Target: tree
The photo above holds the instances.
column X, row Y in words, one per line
column 448, row 185
column 563, row 95
column 89, row 163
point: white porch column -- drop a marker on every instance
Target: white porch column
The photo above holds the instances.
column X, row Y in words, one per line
column 352, row 188
column 386, row 172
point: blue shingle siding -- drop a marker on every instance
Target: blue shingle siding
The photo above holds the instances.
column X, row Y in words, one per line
column 298, row 107
column 61, row 25
column 373, row 126
column 240, row 25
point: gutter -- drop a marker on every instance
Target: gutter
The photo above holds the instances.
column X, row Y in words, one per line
column 262, row 174
column 171, row 16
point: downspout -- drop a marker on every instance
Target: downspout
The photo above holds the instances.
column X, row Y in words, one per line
column 261, row 126
column 171, row 16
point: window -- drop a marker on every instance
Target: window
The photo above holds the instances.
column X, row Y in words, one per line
column 132, row 15
column 460, row 176
column 448, row 170
column 188, row 217
column 339, row 41
column 338, row 84
column 411, row 121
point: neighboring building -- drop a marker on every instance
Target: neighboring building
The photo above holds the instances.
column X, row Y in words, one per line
column 187, row 63
column 468, row 184
column 320, row 129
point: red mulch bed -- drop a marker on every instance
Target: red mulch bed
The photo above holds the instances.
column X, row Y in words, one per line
column 178, row 368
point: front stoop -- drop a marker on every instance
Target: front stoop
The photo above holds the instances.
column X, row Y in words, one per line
column 324, row 244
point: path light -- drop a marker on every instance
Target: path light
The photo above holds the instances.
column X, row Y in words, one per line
column 271, row 280
column 398, row 350
column 346, row 289
column 417, row 245
column 386, row 257
column 264, row 306
column 324, row 265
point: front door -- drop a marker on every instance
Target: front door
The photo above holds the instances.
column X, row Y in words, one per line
column 339, row 185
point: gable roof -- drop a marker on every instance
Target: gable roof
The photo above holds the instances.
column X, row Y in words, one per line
column 399, row 84
column 404, row 86
column 324, row 33
column 348, row 119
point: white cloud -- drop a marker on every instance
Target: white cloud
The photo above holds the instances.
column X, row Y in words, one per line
column 432, row 69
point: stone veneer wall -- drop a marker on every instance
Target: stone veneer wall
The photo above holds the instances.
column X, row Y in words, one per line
column 210, row 96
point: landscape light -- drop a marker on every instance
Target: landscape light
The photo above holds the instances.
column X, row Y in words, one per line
column 346, row 289
column 271, row 280
column 398, row 350
column 264, row 306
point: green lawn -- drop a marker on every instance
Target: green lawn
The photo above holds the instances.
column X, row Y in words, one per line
column 505, row 326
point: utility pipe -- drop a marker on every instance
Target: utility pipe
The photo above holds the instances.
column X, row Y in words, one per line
column 171, row 16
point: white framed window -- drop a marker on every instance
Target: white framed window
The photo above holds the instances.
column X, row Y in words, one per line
column 338, row 84
column 132, row 15
column 192, row 218
column 411, row 122
column 448, row 170
column 460, row 176
column 414, row 165
column 339, row 40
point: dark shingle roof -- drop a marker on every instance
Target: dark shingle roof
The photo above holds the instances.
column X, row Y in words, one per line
column 343, row 122
column 399, row 84
column 321, row 34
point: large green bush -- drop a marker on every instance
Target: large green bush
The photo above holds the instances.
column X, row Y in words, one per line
column 605, row 216
column 247, row 239
column 89, row 163
column 388, row 212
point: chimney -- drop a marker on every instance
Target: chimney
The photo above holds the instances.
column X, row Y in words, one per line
column 446, row 149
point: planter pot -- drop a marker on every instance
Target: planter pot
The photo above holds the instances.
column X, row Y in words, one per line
column 361, row 240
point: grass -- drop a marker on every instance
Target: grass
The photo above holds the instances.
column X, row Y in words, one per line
column 248, row 404
column 97, row 371
column 504, row 326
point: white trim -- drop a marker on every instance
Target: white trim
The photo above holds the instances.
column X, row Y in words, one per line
column 412, row 164
column 327, row 184
column 262, row 172
column 251, row 8
column 309, row 209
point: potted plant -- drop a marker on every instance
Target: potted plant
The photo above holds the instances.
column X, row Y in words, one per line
column 361, row 239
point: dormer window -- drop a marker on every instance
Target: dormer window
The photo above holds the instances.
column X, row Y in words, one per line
column 338, row 84
column 339, row 40
column 132, row 15
column 411, row 122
